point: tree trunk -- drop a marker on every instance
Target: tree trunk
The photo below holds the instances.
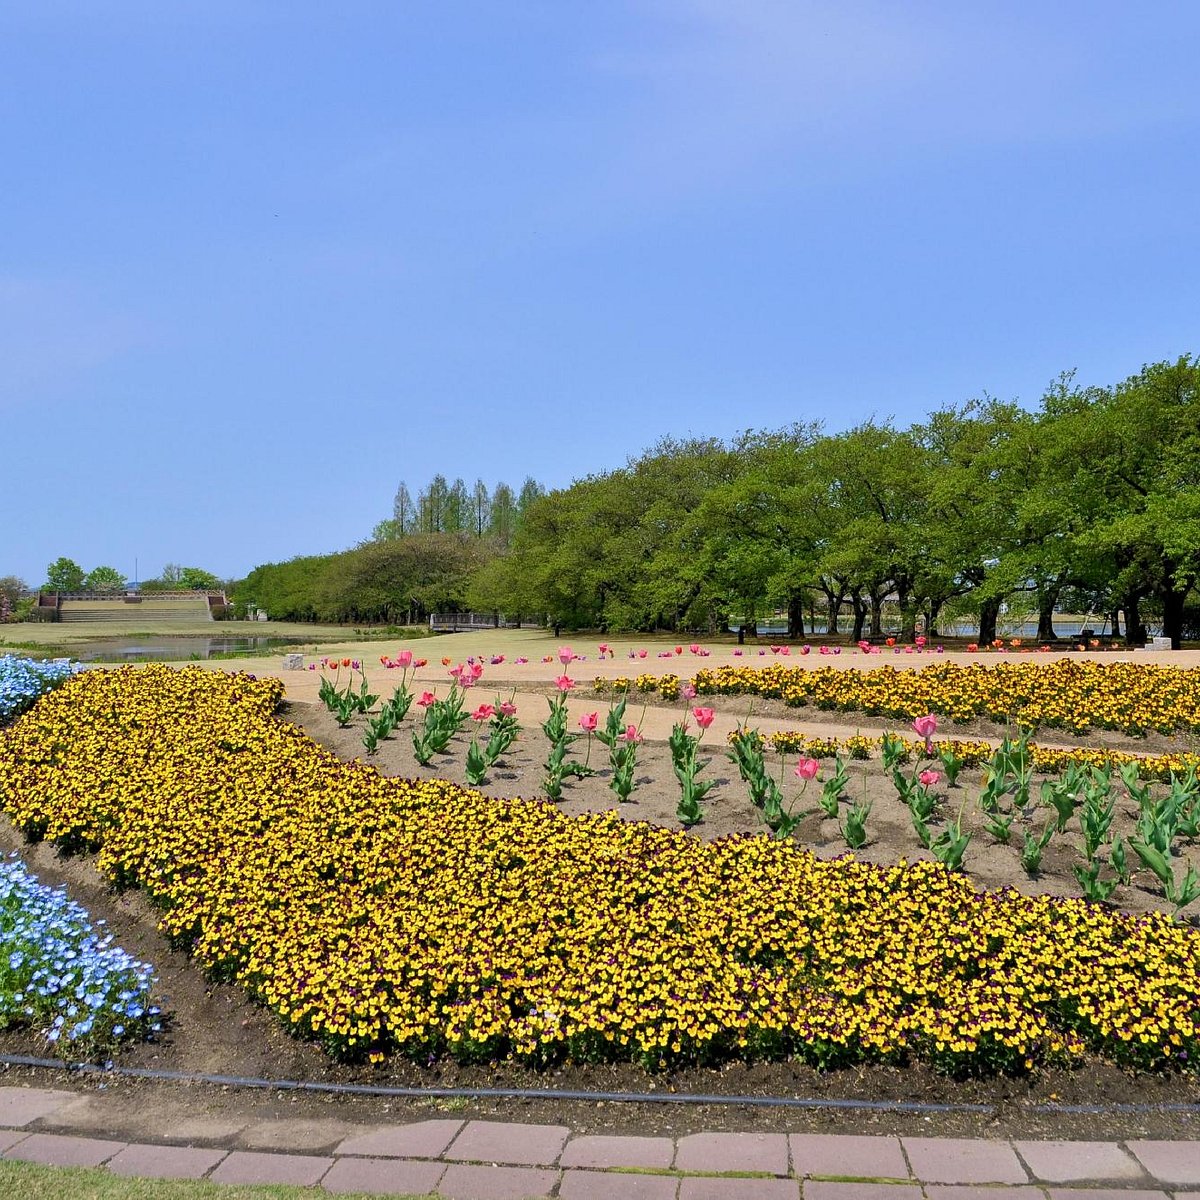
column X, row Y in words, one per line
column 1115, row 618
column 876, row 614
column 741, row 635
column 796, row 615
column 908, row 612
column 860, row 616
column 935, row 608
column 1172, row 602
column 1045, row 631
column 1135, row 635
column 989, row 613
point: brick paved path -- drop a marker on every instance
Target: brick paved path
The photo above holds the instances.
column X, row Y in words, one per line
column 497, row 1160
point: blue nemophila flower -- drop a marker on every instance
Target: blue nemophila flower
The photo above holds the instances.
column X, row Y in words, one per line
column 22, row 681
column 57, row 971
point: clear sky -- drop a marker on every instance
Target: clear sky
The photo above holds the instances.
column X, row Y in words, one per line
column 260, row 261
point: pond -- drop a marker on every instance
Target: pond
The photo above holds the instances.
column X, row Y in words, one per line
column 151, row 648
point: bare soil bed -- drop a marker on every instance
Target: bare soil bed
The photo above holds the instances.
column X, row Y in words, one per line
column 727, row 808
column 216, row 1029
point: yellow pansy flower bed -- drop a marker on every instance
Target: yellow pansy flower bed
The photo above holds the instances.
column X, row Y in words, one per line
column 386, row 915
column 1051, row 760
column 1066, row 694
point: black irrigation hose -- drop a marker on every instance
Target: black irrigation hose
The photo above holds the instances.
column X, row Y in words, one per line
column 691, row 1098
column 370, row 1089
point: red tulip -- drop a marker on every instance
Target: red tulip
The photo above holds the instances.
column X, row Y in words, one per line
column 564, row 683
column 704, row 716
column 928, row 778
column 427, row 698
column 483, row 713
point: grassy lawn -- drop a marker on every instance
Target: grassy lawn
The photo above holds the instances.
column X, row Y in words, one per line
column 54, row 1183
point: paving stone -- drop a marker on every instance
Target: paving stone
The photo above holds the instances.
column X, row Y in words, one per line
column 321, row 1133
column 1169, row 1162
column 860, row 1155
column 957, row 1191
column 1104, row 1194
column 249, row 1166
column 717, row 1152
column 616, row 1185
column 419, row 1139
column 382, row 1176
column 963, row 1160
column 698, row 1188
column 57, row 1150
column 21, row 1106
column 515, row 1143
column 1078, row 1162
column 465, row 1182
column 165, row 1162
column 603, row 1151
column 827, row 1189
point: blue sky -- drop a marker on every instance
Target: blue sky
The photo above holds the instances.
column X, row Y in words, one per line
column 259, row 262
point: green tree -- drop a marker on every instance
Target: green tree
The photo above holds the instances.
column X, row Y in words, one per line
column 64, row 575
column 502, row 515
column 104, row 579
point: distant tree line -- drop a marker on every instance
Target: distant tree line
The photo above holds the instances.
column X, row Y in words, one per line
column 423, row 559
column 1093, row 500
column 1090, row 502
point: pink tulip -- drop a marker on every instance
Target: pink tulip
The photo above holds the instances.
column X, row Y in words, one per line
column 521, row 661
column 925, row 726
column 738, row 653
column 477, row 669
column 563, row 683
column 704, row 716
column 566, row 655
column 404, row 658
column 808, row 649
column 588, row 722
column 457, row 671
column 695, row 647
column 807, row 769
column 427, row 698
column 688, row 691
column 928, row 778
column 631, row 734
column 483, row 713
column 642, row 653
column 496, row 659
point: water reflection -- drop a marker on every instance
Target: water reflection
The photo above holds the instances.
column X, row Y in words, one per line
column 175, row 649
